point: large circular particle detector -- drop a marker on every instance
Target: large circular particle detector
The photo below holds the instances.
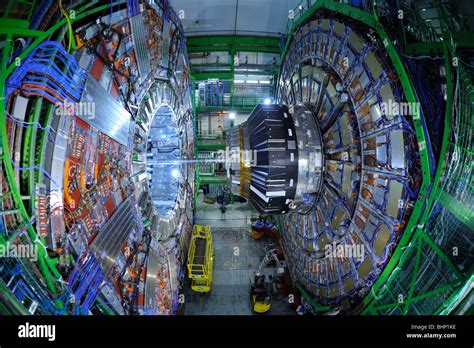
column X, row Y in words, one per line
column 333, row 158
column 371, row 169
column 159, row 147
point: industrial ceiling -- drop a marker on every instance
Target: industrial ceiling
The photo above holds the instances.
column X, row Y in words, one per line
column 234, row 17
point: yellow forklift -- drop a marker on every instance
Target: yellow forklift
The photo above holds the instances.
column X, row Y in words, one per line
column 260, row 288
column 260, row 294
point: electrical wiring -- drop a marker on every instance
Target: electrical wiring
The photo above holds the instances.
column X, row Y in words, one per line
column 16, row 233
column 107, row 304
column 32, row 125
column 73, row 219
column 35, row 168
column 33, row 70
column 111, row 11
column 52, row 211
column 91, row 294
column 41, row 93
column 85, row 279
column 25, row 285
column 112, row 64
column 68, row 23
column 132, row 7
column 465, row 63
column 55, row 89
column 58, row 87
column 23, row 290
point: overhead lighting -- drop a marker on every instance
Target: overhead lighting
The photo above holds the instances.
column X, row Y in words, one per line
column 264, row 82
column 175, row 173
column 239, row 81
column 303, row 162
column 232, row 115
column 267, row 101
column 252, row 81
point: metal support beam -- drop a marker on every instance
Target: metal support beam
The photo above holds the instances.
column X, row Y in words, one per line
column 14, row 27
column 462, row 39
column 209, row 146
column 213, row 179
column 458, row 209
column 233, row 43
column 213, row 75
column 232, row 71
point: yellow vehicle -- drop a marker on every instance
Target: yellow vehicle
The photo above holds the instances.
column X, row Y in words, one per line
column 260, row 294
column 256, row 233
column 200, row 259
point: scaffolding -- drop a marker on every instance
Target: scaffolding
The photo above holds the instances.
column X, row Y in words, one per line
column 200, row 259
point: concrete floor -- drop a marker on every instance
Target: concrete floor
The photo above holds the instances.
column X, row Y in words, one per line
column 236, row 258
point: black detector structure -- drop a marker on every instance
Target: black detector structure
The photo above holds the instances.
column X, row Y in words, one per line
column 276, row 159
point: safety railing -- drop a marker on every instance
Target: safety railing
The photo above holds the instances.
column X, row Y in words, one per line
column 303, row 5
column 200, row 259
column 237, row 103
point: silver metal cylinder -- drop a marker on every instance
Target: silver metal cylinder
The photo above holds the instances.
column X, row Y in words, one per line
column 310, row 159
